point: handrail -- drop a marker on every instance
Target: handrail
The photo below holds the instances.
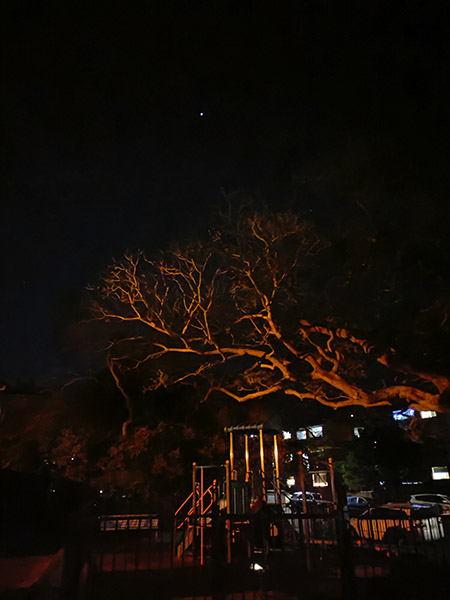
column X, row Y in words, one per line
column 197, row 505
column 185, row 502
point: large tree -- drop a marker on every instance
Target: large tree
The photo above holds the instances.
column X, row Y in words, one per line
column 264, row 305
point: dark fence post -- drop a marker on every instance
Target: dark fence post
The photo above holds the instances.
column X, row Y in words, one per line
column 344, row 538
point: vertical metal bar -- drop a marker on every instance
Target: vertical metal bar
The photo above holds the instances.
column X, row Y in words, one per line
column 194, row 510
column 301, row 473
column 202, row 518
column 277, row 468
column 231, row 455
column 247, row 457
column 333, row 484
column 228, row 486
column 194, row 484
column 228, row 522
column 263, row 475
column 305, row 521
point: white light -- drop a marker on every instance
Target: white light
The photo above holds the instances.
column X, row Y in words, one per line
column 202, row 114
column 290, row 481
column 428, row 414
column 256, row 567
column 287, row 435
column 316, row 431
column 440, row 473
column 319, row 479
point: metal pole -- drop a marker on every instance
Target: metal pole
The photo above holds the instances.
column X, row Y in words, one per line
column 228, row 522
column 247, row 456
column 231, row 455
column 301, row 472
column 194, row 485
column 263, row 475
column 194, row 506
column 305, row 521
column 333, row 484
column 277, row 468
column 202, row 518
column 228, row 490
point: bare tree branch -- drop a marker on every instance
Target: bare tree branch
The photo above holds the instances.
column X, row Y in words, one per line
column 232, row 312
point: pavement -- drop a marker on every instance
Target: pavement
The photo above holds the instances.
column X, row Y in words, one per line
column 23, row 572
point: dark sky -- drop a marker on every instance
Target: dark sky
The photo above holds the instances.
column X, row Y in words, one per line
column 125, row 125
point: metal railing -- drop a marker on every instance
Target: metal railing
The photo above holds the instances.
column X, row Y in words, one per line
column 192, row 518
column 274, row 548
column 129, row 522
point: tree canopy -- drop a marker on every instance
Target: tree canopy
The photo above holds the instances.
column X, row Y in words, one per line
column 265, row 304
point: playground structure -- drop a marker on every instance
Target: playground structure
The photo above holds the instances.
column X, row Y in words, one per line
column 227, row 497
column 258, row 486
column 235, row 535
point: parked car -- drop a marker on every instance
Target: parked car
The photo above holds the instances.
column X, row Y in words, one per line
column 395, row 523
column 310, row 497
column 357, row 505
column 439, row 501
column 314, row 502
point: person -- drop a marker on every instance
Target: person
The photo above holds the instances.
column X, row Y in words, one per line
column 218, row 535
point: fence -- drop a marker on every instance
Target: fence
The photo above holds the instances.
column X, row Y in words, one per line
column 268, row 555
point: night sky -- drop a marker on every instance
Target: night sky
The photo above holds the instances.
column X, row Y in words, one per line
column 125, row 126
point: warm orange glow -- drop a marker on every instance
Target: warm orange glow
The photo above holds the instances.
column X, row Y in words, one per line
column 275, row 452
column 231, row 454
column 247, row 455
column 174, row 298
column 261, row 453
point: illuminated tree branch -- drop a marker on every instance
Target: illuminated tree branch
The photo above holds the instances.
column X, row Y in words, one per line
column 231, row 314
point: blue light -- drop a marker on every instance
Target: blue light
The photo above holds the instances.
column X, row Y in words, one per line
column 402, row 415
